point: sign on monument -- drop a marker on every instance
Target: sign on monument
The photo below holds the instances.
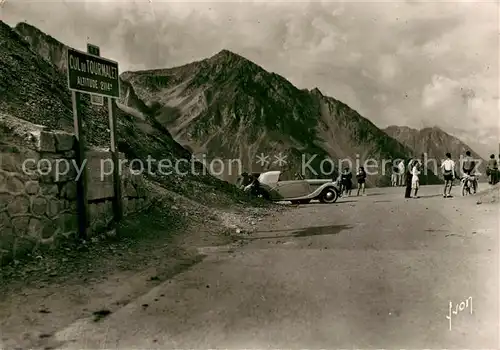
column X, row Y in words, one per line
column 92, row 74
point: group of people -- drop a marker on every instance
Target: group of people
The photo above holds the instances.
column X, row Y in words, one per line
column 449, row 174
column 409, row 176
column 448, row 171
column 398, row 174
column 405, row 175
column 345, row 181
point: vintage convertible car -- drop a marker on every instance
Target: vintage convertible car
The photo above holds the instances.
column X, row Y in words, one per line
column 296, row 191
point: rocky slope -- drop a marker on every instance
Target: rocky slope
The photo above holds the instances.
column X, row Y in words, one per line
column 433, row 142
column 227, row 107
column 33, row 87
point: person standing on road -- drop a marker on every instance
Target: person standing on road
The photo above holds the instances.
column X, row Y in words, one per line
column 415, row 183
column 394, row 175
column 401, row 173
column 347, row 181
column 339, row 183
column 492, row 170
column 408, row 177
column 448, row 168
column 497, row 172
column 468, row 163
column 361, row 177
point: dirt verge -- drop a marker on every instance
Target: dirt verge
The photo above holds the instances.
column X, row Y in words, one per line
column 92, row 280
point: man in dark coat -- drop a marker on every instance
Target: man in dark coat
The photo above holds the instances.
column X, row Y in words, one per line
column 243, row 180
column 408, row 178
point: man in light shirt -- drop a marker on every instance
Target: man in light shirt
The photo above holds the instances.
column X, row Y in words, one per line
column 448, row 168
column 401, row 167
column 415, row 183
column 394, row 175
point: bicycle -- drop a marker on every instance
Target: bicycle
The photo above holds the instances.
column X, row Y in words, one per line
column 468, row 184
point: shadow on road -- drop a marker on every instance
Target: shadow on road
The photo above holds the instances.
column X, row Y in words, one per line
column 374, row 194
column 304, row 232
column 436, row 230
column 432, row 195
column 340, row 201
column 321, row 230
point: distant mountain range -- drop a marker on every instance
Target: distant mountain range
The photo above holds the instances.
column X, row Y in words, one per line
column 228, row 107
column 433, row 142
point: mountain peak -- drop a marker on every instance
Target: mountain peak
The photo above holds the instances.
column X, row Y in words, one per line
column 316, row 91
column 226, row 53
column 433, row 129
column 227, row 56
column 230, row 63
column 26, row 28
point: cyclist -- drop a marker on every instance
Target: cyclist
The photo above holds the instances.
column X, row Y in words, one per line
column 468, row 167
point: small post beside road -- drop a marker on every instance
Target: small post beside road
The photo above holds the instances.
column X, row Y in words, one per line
column 81, row 185
column 117, row 181
column 91, row 74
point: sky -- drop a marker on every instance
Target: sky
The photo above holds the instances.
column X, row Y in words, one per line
column 414, row 63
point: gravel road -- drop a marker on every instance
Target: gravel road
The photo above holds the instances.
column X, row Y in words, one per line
column 371, row 272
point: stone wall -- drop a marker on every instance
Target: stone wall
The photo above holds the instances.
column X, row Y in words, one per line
column 100, row 189
column 38, row 207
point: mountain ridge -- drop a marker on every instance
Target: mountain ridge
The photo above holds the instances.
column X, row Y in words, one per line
column 434, row 142
column 302, row 120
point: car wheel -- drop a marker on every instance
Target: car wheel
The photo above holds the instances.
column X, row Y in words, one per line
column 329, row 195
